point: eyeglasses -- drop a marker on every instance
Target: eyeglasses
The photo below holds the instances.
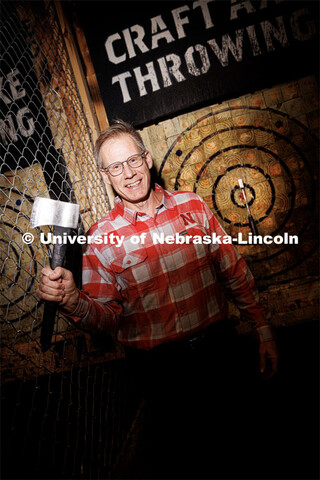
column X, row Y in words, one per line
column 135, row 161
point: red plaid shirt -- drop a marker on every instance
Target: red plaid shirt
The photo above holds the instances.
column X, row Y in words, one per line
column 154, row 293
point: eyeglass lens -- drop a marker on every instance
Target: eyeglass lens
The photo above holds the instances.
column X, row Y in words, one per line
column 134, row 161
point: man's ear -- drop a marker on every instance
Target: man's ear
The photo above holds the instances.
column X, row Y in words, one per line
column 149, row 159
column 105, row 176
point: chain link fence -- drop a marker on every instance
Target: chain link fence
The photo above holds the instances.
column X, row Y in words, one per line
column 65, row 411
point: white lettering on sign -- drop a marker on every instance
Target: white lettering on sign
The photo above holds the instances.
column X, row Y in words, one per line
column 203, row 4
column 305, row 33
column 226, row 46
column 123, row 85
column 119, row 46
column 23, row 123
column 110, row 50
column 236, row 6
column 192, row 68
column 171, row 71
column 158, row 24
column 136, row 40
column 279, row 33
column 163, row 72
column 13, row 83
column 251, row 31
column 179, row 22
column 151, row 76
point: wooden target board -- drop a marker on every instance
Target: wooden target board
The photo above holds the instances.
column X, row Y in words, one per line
column 21, row 313
column 268, row 140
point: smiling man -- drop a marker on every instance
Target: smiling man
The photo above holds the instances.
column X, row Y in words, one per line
column 167, row 302
column 131, row 179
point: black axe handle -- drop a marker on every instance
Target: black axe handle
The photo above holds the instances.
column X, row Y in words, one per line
column 252, row 224
column 50, row 308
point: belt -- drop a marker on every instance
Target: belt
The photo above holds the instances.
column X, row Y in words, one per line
column 212, row 331
column 218, row 331
column 198, row 339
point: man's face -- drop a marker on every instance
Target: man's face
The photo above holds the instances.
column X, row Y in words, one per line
column 133, row 185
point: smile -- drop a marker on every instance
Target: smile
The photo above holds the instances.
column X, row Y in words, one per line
column 135, row 184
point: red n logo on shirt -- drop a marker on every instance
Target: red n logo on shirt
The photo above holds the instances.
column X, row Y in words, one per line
column 187, row 218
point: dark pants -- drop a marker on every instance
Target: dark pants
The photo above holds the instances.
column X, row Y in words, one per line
column 192, row 394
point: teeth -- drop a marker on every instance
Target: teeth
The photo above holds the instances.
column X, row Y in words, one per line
column 134, row 184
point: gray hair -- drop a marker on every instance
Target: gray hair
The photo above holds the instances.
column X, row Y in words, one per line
column 116, row 130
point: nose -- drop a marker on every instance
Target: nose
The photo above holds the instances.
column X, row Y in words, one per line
column 128, row 172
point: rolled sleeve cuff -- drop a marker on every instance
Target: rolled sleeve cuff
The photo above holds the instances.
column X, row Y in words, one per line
column 81, row 309
column 264, row 333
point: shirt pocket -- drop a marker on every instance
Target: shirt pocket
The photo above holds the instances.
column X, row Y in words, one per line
column 132, row 270
column 197, row 249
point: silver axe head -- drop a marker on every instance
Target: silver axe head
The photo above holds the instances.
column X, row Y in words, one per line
column 46, row 211
column 64, row 217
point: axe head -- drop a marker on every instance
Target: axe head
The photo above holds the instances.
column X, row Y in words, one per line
column 46, row 211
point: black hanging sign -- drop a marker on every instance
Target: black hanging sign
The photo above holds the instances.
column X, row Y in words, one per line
column 25, row 135
column 159, row 58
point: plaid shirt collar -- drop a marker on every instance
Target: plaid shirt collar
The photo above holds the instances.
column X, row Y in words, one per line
column 131, row 215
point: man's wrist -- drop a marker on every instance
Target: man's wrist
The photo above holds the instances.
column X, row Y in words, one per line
column 72, row 304
column 265, row 333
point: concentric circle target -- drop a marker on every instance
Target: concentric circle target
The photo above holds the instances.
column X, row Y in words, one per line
column 19, row 266
column 274, row 156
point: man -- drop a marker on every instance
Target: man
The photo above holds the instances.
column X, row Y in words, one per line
column 167, row 300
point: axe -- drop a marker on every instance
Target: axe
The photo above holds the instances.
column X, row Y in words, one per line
column 64, row 217
column 251, row 220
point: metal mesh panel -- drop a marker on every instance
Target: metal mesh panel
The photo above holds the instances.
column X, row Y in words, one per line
column 65, row 411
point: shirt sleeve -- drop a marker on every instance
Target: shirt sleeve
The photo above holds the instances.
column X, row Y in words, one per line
column 238, row 280
column 99, row 306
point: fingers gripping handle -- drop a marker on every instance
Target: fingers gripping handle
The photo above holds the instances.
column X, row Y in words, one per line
column 50, row 308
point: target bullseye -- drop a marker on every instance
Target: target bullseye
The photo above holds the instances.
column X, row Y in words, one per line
column 237, row 196
column 250, row 143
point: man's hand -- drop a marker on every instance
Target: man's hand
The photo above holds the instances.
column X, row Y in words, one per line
column 268, row 353
column 58, row 286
